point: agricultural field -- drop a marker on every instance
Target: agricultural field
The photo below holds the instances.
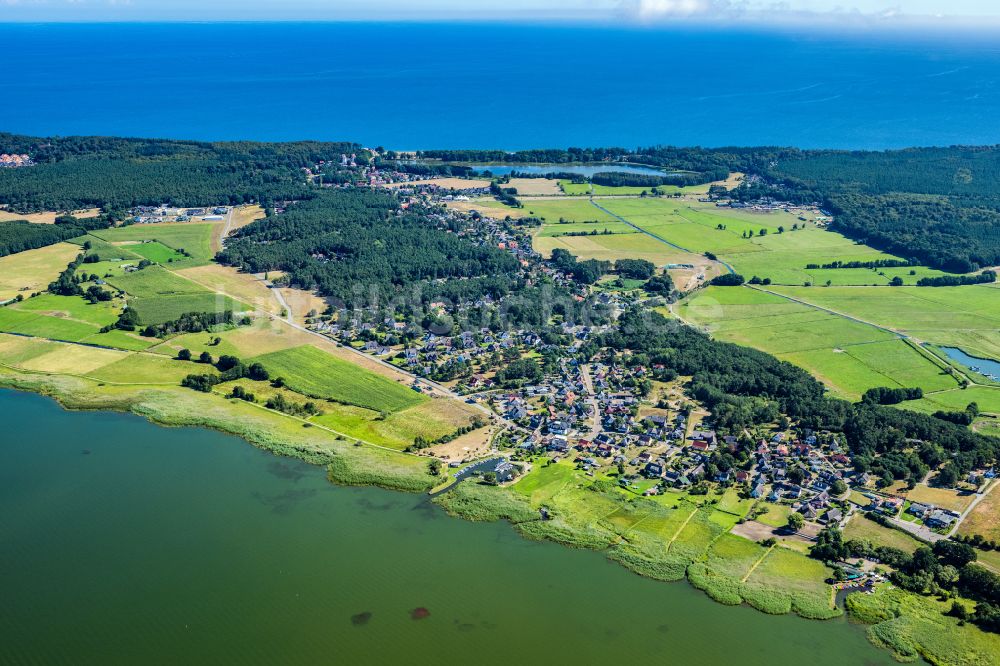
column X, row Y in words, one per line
column 615, row 246
column 31, row 271
column 39, row 325
column 535, row 187
column 142, row 368
column 193, row 237
column 243, row 287
column 586, row 189
column 109, row 365
column 313, row 372
column 71, row 359
column 156, row 252
column 160, row 309
column 155, row 281
column 159, row 295
column 848, row 356
column 596, row 228
column 966, row 317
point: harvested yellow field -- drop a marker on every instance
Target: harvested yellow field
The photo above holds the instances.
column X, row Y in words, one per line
column 732, row 182
column 490, row 207
column 45, row 217
column 244, row 287
column 240, row 217
column 985, row 518
column 244, row 215
column 33, row 270
column 941, row 497
column 538, row 187
column 301, row 303
column 73, row 359
column 447, row 183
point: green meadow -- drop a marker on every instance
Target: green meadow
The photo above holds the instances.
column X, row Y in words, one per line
column 967, row 317
column 848, row 356
column 158, row 295
column 313, row 372
column 157, row 252
column 194, row 238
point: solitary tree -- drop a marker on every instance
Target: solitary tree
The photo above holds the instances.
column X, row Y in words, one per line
column 796, row 521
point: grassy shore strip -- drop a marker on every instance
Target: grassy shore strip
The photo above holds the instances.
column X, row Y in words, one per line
column 915, row 627
column 687, row 540
column 278, row 433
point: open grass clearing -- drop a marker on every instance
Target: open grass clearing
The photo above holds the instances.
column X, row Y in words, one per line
column 431, row 419
column 160, row 309
column 140, row 368
column 860, row 527
column 776, row 514
column 915, row 626
column 449, row 183
column 956, row 400
column 945, row 498
column 70, row 307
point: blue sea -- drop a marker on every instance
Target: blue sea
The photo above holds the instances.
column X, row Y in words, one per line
column 411, row 86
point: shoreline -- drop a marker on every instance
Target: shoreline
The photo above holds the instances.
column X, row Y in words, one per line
column 356, row 464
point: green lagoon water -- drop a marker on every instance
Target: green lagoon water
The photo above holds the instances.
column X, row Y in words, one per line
column 125, row 543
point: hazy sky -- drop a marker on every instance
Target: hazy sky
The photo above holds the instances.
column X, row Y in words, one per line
column 944, row 12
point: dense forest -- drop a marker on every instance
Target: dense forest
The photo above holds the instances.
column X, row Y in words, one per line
column 115, row 173
column 940, row 206
column 19, row 236
column 348, row 240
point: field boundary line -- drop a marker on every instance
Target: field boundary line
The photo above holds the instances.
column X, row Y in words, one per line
column 758, row 563
column 681, row 528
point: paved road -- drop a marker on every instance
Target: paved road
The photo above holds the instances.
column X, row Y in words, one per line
column 284, row 305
